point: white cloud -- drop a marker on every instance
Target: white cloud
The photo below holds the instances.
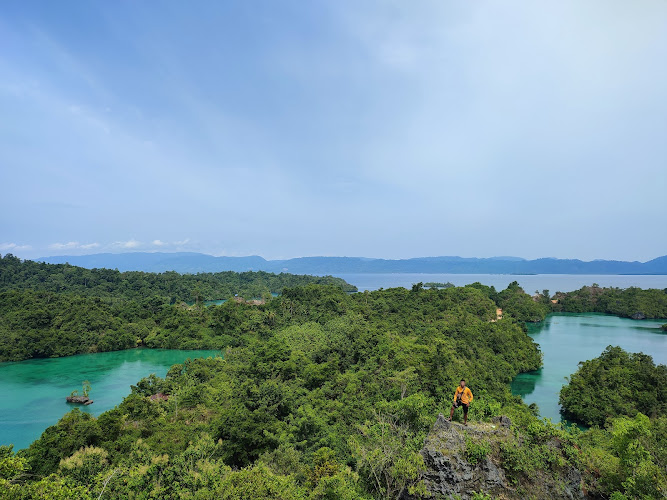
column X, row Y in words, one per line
column 65, row 246
column 127, row 244
column 14, row 246
column 73, row 245
column 160, row 243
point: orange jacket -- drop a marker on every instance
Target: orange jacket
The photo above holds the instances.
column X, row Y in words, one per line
column 466, row 397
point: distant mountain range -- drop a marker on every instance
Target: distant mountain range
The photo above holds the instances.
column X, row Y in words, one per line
column 188, row 262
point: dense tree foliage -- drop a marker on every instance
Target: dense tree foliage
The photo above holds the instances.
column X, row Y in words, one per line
column 515, row 302
column 615, row 383
column 626, row 392
column 321, row 394
column 627, row 460
column 45, row 324
column 14, row 487
column 333, row 400
column 170, row 287
column 58, row 310
column 42, row 324
column 300, row 408
column 650, row 303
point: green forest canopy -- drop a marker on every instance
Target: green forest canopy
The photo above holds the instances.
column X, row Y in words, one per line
column 170, row 287
column 321, row 392
column 314, row 382
column 286, row 403
column 649, row 303
column 615, row 383
column 46, row 324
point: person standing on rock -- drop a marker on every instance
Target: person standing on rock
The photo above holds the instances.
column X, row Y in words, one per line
column 462, row 397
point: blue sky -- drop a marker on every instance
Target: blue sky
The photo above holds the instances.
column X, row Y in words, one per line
column 372, row 128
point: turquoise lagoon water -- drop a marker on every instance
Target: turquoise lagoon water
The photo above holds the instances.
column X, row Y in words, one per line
column 32, row 392
column 568, row 338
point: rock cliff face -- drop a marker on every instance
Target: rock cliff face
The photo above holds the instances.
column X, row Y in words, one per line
column 453, row 473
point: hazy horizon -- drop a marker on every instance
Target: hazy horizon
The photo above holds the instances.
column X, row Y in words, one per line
column 497, row 257
column 375, row 129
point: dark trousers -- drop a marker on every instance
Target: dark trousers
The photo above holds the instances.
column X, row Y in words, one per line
column 465, row 407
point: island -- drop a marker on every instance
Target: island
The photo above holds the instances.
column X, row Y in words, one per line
column 326, row 394
column 83, row 399
column 436, row 284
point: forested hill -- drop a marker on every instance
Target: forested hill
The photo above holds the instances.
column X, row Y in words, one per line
column 615, row 383
column 297, row 409
column 191, row 262
column 328, row 395
column 40, row 324
column 172, row 287
column 321, row 394
column 630, row 302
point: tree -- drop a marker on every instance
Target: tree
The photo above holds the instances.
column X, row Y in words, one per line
column 387, row 455
column 615, row 383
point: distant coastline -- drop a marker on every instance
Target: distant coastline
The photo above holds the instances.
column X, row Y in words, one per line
column 188, row 262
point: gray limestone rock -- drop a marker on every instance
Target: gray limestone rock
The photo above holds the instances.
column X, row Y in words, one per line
column 450, row 474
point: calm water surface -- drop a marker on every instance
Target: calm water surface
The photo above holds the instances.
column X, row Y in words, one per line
column 530, row 283
column 32, row 392
column 567, row 338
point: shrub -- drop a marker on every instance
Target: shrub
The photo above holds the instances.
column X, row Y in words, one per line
column 476, row 451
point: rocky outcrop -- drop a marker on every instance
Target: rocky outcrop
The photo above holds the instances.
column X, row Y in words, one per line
column 451, row 473
column 83, row 400
column 503, row 421
column 638, row 315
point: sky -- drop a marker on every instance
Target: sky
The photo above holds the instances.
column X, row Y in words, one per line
column 343, row 127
